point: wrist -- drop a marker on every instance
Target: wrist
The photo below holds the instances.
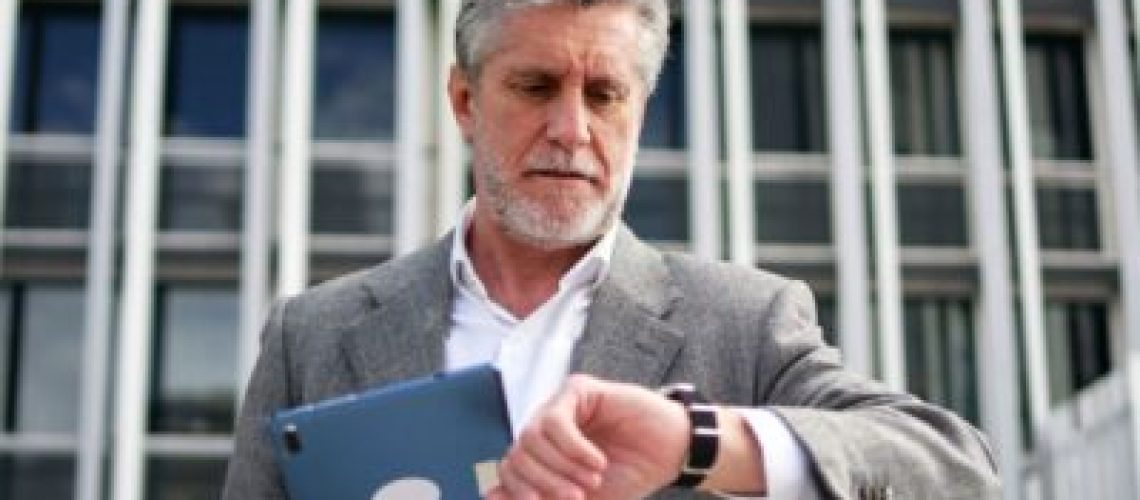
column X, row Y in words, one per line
column 739, row 466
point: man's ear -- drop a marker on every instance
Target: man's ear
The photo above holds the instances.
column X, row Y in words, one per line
column 460, row 93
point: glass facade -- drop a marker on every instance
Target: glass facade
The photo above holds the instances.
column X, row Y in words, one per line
column 356, row 162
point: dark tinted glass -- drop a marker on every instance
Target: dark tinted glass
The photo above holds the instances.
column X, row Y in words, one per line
column 56, row 69
column 352, row 200
column 46, row 347
column 1078, row 345
column 28, row 476
column 787, row 81
column 200, row 198
column 826, row 310
column 1058, row 100
column 940, row 362
column 658, row 208
column 48, row 195
column 932, row 215
column 665, row 122
column 184, row 478
column 1067, row 218
column 356, row 76
column 924, row 95
column 7, row 351
column 793, row 212
column 206, row 84
column 195, row 361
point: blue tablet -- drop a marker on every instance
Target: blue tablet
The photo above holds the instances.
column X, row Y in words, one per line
column 428, row 438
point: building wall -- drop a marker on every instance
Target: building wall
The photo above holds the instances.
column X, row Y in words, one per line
column 381, row 172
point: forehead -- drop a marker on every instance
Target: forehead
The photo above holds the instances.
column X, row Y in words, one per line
column 597, row 39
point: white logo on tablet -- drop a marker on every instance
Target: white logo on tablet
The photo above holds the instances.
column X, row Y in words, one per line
column 409, row 488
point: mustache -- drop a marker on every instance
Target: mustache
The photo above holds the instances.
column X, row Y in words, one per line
column 563, row 164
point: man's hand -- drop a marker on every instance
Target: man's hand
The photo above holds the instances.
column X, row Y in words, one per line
column 598, row 440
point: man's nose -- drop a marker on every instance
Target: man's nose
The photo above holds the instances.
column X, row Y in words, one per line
column 568, row 123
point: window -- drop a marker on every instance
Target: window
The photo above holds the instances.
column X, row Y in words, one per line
column 355, row 91
column 826, row 309
column 48, row 195
column 665, row 114
column 200, row 198
column 195, row 360
column 658, row 208
column 787, row 78
column 206, row 83
column 940, row 362
column 1058, row 100
column 932, row 215
column 33, row 476
column 57, row 57
column 1067, row 218
column 793, row 212
column 184, row 478
column 924, row 93
column 43, row 339
column 352, row 199
column 1078, row 345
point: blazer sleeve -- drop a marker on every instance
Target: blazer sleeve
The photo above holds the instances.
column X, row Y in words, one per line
column 863, row 440
column 253, row 471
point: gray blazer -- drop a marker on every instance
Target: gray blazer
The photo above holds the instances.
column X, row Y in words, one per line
column 744, row 336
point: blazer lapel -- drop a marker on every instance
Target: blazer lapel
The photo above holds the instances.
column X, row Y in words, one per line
column 403, row 336
column 626, row 337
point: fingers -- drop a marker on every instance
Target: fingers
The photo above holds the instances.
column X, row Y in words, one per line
column 552, row 458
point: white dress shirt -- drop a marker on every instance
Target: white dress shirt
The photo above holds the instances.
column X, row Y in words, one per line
column 533, row 353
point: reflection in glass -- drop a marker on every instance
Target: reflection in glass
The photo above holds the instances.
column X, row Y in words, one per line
column 1068, row 218
column 56, row 69
column 355, row 92
column 206, row 199
column 793, row 212
column 206, row 84
column 352, row 200
column 924, row 92
column 1078, row 344
column 36, row 476
column 940, row 361
column 184, row 478
column 1058, row 101
column 932, row 215
column 658, row 208
column 665, row 113
column 6, row 353
column 195, row 360
column 787, row 81
column 48, row 195
column 50, row 341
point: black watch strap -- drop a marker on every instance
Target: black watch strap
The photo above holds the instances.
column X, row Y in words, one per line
column 704, row 439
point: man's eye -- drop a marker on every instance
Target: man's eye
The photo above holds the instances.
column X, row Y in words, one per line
column 603, row 97
column 538, row 89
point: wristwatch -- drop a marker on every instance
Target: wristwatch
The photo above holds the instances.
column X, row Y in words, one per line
column 704, row 440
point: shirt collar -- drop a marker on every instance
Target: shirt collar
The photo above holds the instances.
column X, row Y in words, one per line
column 589, row 271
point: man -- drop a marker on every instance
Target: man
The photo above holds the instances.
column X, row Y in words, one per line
column 540, row 277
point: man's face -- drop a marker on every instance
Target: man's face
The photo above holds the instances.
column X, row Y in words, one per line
column 553, row 120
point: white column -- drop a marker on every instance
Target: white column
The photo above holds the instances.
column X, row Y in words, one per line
column 888, row 285
column 295, row 173
column 8, row 16
column 101, row 236
column 701, row 104
column 849, row 225
column 738, row 120
column 139, row 235
column 1024, row 211
column 411, row 223
column 257, row 199
column 997, row 343
column 1121, row 160
column 452, row 159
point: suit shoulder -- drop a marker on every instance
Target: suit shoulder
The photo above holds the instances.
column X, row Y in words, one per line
column 725, row 280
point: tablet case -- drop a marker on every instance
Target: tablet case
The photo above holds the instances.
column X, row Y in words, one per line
column 434, row 437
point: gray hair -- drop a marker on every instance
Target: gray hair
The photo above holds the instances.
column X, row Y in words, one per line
column 478, row 19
